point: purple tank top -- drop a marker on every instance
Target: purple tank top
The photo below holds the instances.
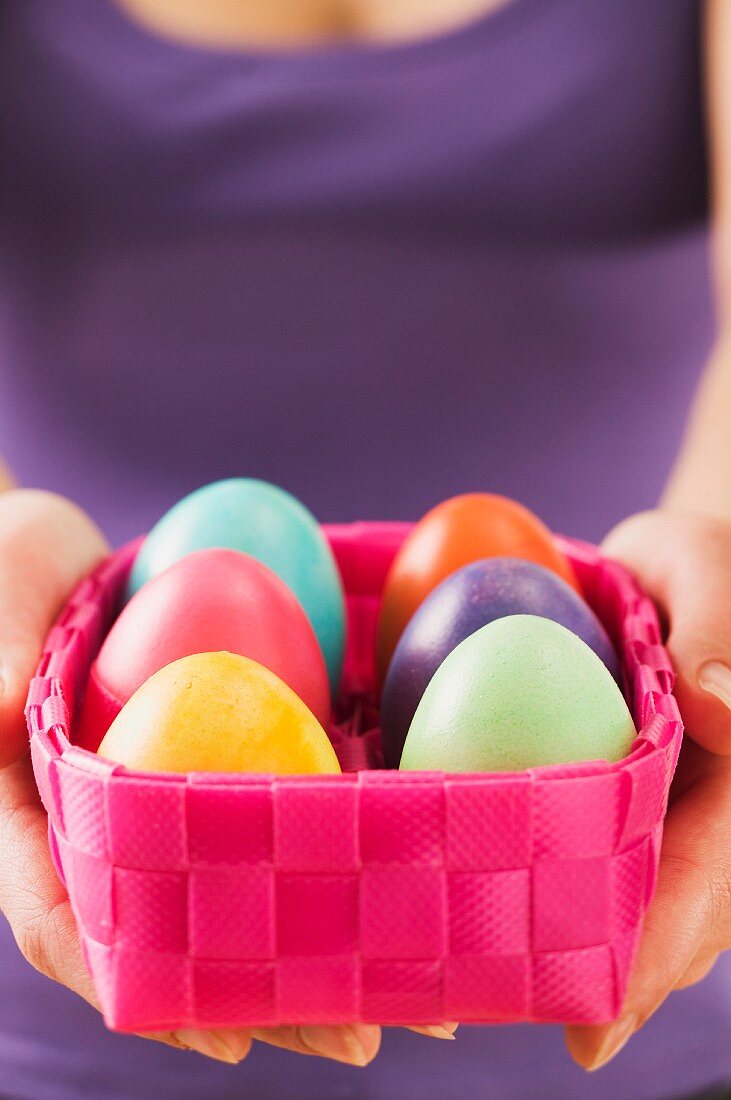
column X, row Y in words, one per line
column 377, row 277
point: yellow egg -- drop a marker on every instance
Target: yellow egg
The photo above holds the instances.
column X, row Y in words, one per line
column 218, row 712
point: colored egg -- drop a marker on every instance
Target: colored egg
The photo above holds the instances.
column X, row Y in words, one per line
column 476, row 595
column 209, row 600
column 218, row 712
column 273, row 527
column 521, row 692
column 459, row 531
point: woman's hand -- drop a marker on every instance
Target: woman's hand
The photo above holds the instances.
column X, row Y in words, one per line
column 684, row 562
column 47, row 545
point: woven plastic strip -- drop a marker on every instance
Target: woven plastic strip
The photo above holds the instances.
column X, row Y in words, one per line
column 207, row 900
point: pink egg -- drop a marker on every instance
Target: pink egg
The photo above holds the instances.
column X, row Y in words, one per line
column 208, row 601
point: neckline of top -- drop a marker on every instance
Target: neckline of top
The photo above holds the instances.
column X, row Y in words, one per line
column 351, row 57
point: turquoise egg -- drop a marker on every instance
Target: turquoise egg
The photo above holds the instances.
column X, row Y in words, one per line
column 272, row 526
column 521, row 692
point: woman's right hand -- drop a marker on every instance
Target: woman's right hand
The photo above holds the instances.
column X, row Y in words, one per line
column 47, row 545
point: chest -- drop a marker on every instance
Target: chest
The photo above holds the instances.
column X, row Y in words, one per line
column 286, row 25
column 545, row 120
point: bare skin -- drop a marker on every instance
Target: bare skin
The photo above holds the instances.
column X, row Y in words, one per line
column 681, row 552
column 282, row 24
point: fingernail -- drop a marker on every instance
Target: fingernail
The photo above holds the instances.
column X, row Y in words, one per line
column 344, row 1044
column 617, row 1037
column 716, row 678
column 230, row 1046
column 437, row 1031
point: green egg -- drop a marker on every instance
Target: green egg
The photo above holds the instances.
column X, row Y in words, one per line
column 521, row 692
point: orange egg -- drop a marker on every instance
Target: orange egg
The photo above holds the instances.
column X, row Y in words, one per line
column 218, row 712
column 457, row 532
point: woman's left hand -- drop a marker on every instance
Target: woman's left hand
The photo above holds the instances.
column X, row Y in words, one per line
column 684, row 562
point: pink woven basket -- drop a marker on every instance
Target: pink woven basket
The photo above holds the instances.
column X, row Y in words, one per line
column 222, row 900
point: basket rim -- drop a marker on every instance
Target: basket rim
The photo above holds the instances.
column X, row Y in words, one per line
column 663, row 726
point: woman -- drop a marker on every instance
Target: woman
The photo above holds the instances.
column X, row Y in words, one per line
column 378, row 254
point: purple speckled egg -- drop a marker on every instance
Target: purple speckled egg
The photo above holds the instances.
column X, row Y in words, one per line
column 467, row 600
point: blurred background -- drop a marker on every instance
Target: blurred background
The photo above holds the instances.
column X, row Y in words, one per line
column 378, row 255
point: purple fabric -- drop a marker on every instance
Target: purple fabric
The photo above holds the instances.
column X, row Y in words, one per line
column 376, row 277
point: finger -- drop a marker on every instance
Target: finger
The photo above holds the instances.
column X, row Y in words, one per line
column 689, row 913
column 355, row 1044
column 685, row 564
column 168, row 1038
column 699, row 969
column 229, row 1045
column 31, row 897
column 434, row 1031
column 46, row 546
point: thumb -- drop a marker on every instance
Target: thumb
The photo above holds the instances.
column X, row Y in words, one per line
column 684, row 563
column 47, row 545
